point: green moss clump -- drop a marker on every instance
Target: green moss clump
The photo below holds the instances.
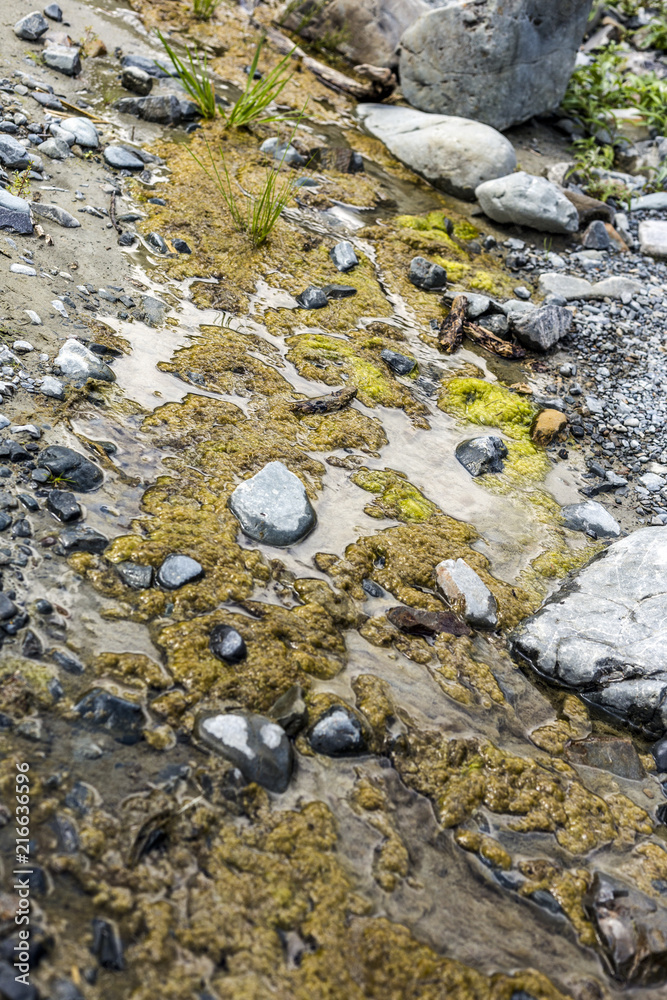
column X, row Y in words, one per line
column 488, row 403
column 395, row 496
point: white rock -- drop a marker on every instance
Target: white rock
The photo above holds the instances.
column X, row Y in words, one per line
column 568, row 287
column 33, row 317
column 60, row 308
column 53, row 387
column 22, row 346
column 83, row 130
column 653, row 237
column 460, row 583
column 657, row 201
column 30, row 272
column 30, row 429
column 75, row 360
column 454, row 154
column 526, row 200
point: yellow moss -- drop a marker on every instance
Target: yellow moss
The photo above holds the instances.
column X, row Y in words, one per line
column 395, row 496
column 391, row 860
column 486, row 847
column 488, row 403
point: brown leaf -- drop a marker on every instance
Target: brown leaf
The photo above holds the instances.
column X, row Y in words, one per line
column 325, row 404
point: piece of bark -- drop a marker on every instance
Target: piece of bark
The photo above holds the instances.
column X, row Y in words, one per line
column 492, row 343
column 450, row 334
column 325, row 404
column 414, row 621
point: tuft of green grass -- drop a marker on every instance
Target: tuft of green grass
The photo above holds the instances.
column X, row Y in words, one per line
column 252, row 106
column 204, row 10
column 262, row 211
column 194, row 77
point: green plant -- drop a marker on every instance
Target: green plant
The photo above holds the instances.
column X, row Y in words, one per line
column 204, row 10
column 251, row 107
column 261, row 211
column 193, row 76
column 591, row 160
column 20, row 185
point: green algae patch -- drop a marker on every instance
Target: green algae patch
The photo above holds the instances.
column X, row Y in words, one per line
column 487, row 403
column 391, row 861
column 395, row 496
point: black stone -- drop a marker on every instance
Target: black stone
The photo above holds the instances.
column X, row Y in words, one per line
column 659, row 751
column 31, row 647
column 5, row 521
column 22, row 529
column 126, row 240
column 63, row 505
column 482, row 455
column 81, row 538
column 124, row 719
column 7, row 608
column 596, row 236
column 398, row 363
column 372, row 588
column 12, row 451
column 313, row 298
column 10, row 989
column 157, row 242
column 339, row 291
column 54, row 12
column 28, row 502
column 181, row 246
column 43, row 607
column 107, row 946
column 135, row 575
column 64, row 989
column 76, row 471
column 177, row 570
column 337, row 733
column 67, row 662
column 143, row 62
column 426, row 275
column 80, row 798
column 227, row 644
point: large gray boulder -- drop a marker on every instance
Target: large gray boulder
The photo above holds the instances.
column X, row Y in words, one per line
column 526, row 200
column 497, row 61
column 454, row 154
column 604, row 633
column 363, row 31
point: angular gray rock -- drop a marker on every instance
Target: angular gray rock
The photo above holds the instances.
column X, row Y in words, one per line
column 596, row 236
column 54, row 214
column 63, row 58
column 137, row 80
column 426, row 275
column 526, row 200
column 497, row 61
column 603, row 634
column 258, row 746
column 122, row 159
column 165, row 109
column 54, row 12
column 482, row 454
column 399, row 363
column 653, row 237
column 31, row 27
column 461, row 585
column 153, row 310
column 13, row 156
column 454, row 154
column 591, row 516
column 83, row 131
column 135, row 575
column 75, row 360
column 80, row 538
column 273, row 506
column 55, row 149
column 343, row 256
column 541, row 328
column 14, row 213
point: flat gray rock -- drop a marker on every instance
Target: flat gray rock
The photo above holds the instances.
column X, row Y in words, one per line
column 177, row 570
column 591, row 516
column 454, row 154
column 258, row 746
column 54, row 214
column 461, row 585
column 55, row 149
column 653, row 237
column 122, row 159
column 568, row 287
column 273, row 506
column 83, row 130
column 14, row 213
column 603, row 634
column 526, row 200
column 13, row 156
column 497, row 61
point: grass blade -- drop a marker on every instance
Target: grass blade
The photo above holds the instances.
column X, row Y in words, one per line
column 194, row 78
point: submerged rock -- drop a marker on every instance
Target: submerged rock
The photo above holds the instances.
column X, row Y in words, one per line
column 462, row 586
column 227, row 644
column 338, row 733
column 81, row 538
column 125, row 720
column 399, row 363
column 256, row 745
column 343, row 256
column 482, row 455
column 68, row 466
column 415, row 621
column 498, row 61
column 607, row 753
column 603, row 633
column 63, row 504
column 273, row 506
column 591, row 516
column 137, row 80
column 313, row 298
column 455, row 154
column 177, row 570
column 526, row 200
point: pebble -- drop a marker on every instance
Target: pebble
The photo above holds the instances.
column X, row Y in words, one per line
column 426, row 275
column 337, row 733
column 31, row 27
column 122, row 159
column 15, row 214
column 64, row 505
column 29, row 272
column 137, row 80
column 157, row 242
column 54, row 12
column 273, row 506
column 81, row 538
column 55, row 149
column 659, row 751
column 257, row 745
column 22, row 347
column 461, row 585
column 76, row 361
column 591, row 517
column 227, row 644
column 52, row 387
column 399, row 363
column 177, row 570
column 125, row 720
column 180, row 246
column 313, row 298
column 344, row 256
column 64, row 59
column 135, row 575
column 482, row 455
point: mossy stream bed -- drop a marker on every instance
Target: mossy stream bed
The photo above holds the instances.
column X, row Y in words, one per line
column 453, row 859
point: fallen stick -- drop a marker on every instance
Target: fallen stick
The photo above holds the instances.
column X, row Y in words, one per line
column 455, row 326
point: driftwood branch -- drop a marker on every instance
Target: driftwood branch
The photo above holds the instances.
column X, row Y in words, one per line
column 455, row 326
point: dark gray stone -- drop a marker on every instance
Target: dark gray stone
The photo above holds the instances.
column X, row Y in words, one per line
column 596, row 236
column 13, row 156
column 137, row 80
column 75, row 470
column 135, row 575
column 147, row 65
column 591, row 516
column 107, row 946
column 55, row 149
column 180, row 246
column 542, row 328
column 607, row 753
column 122, row 159
column 253, row 743
column 343, row 256
column 31, row 27
column 165, row 109
column 124, row 720
column 659, row 751
column 227, row 644
column 53, row 12
column 10, row 989
column 81, row 538
column 153, row 310
column 482, row 454
column 338, row 733
column 157, row 242
column 427, row 276
column 63, row 58
column 313, row 298
column 273, row 506
column 7, row 608
column 177, row 570
column 398, row 363
column 67, row 662
column 5, row 521
column 14, row 213
column 339, row 291
column 603, row 633
column 63, row 505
